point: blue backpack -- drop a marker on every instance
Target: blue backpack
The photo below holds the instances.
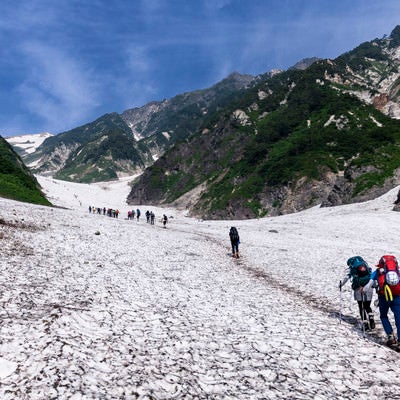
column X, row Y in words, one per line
column 359, row 271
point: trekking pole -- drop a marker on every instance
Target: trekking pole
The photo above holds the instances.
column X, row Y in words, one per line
column 363, row 313
column 341, row 302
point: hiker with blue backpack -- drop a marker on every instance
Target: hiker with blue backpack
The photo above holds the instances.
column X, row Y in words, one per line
column 359, row 274
column 387, row 274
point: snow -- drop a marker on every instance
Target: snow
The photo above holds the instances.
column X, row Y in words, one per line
column 79, row 195
column 30, row 142
column 375, row 121
column 6, row 368
column 143, row 312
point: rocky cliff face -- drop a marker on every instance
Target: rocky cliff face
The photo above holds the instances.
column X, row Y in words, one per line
column 140, row 119
column 372, row 73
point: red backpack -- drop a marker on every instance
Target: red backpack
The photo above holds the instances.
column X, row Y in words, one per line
column 389, row 277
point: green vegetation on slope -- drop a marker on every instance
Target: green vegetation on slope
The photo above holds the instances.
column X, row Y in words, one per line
column 16, row 182
column 100, row 158
column 303, row 128
column 296, row 141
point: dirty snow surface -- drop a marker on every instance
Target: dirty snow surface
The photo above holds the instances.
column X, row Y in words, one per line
column 94, row 307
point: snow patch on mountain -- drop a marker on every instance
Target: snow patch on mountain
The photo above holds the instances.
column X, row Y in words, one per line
column 28, row 143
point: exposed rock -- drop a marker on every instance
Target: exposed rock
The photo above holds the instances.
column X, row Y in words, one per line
column 397, row 202
column 340, row 193
column 380, row 101
column 305, row 63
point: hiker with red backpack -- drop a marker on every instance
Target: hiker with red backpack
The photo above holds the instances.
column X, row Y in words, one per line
column 359, row 274
column 387, row 274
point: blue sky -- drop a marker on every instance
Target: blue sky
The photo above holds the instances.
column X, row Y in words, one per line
column 65, row 63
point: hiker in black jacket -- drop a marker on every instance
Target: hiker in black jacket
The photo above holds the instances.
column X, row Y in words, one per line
column 235, row 240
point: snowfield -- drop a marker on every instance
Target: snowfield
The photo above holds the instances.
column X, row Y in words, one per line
column 94, row 307
column 28, row 143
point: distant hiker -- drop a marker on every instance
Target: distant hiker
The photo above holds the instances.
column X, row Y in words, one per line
column 152, row 217
column 388, row 276
column 138, row 214
column 90, row 209
column 164, row 220
column 359, row 274
column 235, row 240
column 147, row 216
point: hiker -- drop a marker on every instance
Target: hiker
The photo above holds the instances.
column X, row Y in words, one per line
column 152, row 217
column 137, row 214
column 359, row 274
column 147, row 216
column 235, row 240
column 387, row 274
column 164, row 220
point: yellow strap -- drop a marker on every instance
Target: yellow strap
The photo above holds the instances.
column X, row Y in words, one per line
column 388, row 293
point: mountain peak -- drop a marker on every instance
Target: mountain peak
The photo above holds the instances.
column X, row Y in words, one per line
column 305, row 63
column 238, row 78
column 395, row 37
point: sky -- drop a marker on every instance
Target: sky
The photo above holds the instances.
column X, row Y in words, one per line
column 66, row 63
column 94, row 307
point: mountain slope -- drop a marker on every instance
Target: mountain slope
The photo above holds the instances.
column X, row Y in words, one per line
column 16, row 181
column 98, row 151
column 294, row 140
column 125, row 144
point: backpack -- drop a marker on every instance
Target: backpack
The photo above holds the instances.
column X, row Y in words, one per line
column 388, row 277
column 359, row 272
column 234, row 234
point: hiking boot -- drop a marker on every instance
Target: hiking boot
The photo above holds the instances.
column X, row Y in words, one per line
column 371, row 321
column 391, row 341
column 372, row 324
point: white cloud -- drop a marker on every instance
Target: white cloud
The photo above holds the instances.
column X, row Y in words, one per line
column 136, row 85
column 57, row 87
